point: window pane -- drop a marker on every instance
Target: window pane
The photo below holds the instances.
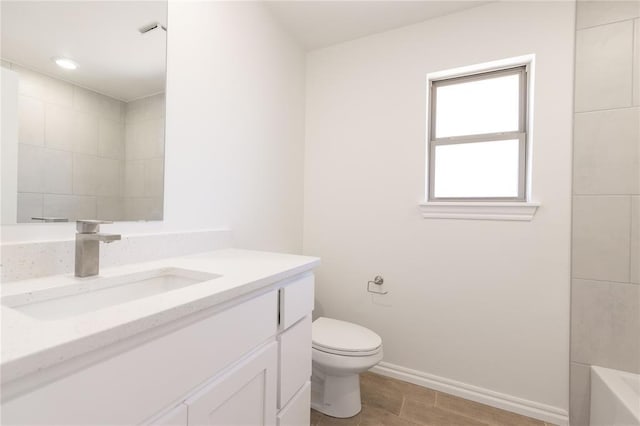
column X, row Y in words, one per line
column 479, row 106
column 479, row 169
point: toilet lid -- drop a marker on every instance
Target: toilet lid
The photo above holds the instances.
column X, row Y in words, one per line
column 343, row 336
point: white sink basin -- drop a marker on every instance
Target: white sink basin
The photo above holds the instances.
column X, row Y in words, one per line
column 92, row 294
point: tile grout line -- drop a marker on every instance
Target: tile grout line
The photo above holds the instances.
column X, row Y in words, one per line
column 633, row 64
column 590, row 111
column 605, row 281
column 606, row 23
column 630, row 236
column 606, row 195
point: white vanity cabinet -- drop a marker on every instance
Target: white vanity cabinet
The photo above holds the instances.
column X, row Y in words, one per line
column 245, row 362
column 245, row 395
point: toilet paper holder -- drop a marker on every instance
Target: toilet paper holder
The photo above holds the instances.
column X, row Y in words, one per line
column 378, row 280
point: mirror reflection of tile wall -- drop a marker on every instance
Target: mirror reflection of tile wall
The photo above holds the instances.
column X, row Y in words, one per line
column 83, row 155
column 144, row 158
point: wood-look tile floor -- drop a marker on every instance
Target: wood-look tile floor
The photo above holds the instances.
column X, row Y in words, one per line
column 391, row 402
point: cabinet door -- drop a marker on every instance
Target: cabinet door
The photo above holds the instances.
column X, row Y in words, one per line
column 295, row 359
column 243, row 395
column 175, row 417
column 298, row 410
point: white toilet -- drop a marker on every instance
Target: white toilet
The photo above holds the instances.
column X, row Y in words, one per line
column 341, row 351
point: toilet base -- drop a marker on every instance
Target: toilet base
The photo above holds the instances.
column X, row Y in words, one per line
column 336, row 396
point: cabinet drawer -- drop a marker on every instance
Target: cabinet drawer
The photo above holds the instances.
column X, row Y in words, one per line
column 298, row 411
column 295, row 359
column 296, row 300
column 132, row 386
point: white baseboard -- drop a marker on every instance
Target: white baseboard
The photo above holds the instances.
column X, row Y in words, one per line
column 514, row 404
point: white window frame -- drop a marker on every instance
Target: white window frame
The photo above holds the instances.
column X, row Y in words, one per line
column 490, row 208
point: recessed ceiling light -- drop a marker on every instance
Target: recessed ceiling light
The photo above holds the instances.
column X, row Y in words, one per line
column 65, row 63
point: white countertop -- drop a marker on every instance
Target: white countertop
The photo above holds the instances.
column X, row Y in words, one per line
column 30, row 345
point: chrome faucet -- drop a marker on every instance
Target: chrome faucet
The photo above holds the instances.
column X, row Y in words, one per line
column 88, row 240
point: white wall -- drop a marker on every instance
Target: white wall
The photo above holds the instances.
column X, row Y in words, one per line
column 235, row 129
column 484, row 303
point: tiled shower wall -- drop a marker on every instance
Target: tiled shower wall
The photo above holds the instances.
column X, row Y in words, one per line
column 70, row 151
column 83, row 155
column 605, row 293
column 144, row 159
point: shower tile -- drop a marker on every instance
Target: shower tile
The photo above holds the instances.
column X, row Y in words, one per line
column 156, row 208
column 58, row 171
column 72, row 207
column 134, row 178
column 86, row 101
column 155, row 147
column 591, row 13
column 153, row 177
column 110, row 139
column 141, row 208
column 636, row 61
column 605, row 318
column 603, row 74
column 107, row 177
column 601, row 237
column 135, row 141
column 112, row 109
column 635, row 240
column 625, row 325
column 58, row 121
column 58, row 92
column 29, row 205
column 85, row 178
column 155, row 106
column 84, row 133
column 30, row 168
column 110, row 208
column 580, row 400
column 31, row 84
column 607, row 152
column 31, row 120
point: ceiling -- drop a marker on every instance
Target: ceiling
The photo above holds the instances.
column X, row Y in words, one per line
column 116, row 60
column 101, row 36
column 317, row 24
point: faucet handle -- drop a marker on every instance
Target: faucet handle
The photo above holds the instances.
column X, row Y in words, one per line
column 90, row 226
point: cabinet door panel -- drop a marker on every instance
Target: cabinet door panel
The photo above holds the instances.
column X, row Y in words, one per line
column 244, row 395
column 175, row 417
column 295, row 359
column 298, row 410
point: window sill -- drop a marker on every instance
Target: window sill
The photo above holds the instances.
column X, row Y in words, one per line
column 523, row 211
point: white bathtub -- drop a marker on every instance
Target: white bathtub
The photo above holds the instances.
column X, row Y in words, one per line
column 615, row 397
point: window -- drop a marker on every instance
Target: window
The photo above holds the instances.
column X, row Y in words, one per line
column 478, row 137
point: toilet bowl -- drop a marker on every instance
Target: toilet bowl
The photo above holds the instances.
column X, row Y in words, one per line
column 341, row 351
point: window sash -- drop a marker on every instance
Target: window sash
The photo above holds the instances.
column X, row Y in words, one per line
column 520, row 134
column 522, row 159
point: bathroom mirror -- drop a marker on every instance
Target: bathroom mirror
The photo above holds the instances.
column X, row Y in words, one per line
column 89, row 101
